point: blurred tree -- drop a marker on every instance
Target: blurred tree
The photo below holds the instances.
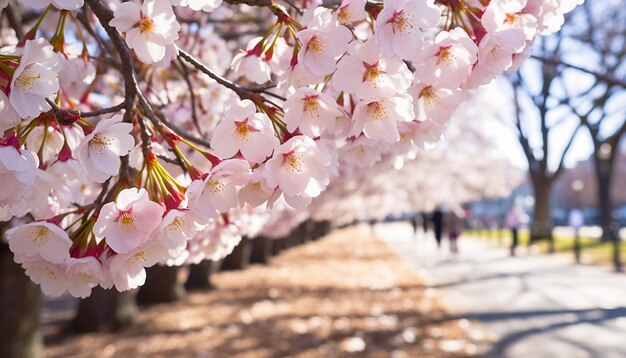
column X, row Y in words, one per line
column 536, row 101
column 20, row 306
column 595, row 93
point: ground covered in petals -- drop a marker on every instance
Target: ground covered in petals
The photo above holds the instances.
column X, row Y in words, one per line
column 344, row 295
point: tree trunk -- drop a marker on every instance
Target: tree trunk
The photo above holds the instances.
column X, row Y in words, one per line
column 541, row 228
column 162, row 286
column 105, row 310
column 610, row 227
column 20, row 306
column 239, row 259
column 261, row 250
column 200, row 276
column 279, row 245
column 604, row 170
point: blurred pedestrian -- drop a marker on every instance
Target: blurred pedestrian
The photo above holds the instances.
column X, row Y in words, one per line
column 576, row 220
column 454, row 223
column 438, row 225
column 513, row 219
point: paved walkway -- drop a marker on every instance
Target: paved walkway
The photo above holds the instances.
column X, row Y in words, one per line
column 536, row 305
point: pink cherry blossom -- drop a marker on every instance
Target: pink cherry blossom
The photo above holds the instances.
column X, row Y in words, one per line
column 149, row 28
column 128, row 222
column 35, row 79
column 218, row 191
column 40, row 238
column 322, row 43
column 244, row 130
column 351, row 11
column 250, row 64
column 128, row 270
column 18, row 174
column 435, row 103
column 83, row 274
column 50, row 276
column 177, row 228
column 298, row 167
column 495, row 54
column 448, row 61
column 378, row 118
column 398, row 26
column 310, row 111
column 99, row 153
column 367, row 74
column 507, row 14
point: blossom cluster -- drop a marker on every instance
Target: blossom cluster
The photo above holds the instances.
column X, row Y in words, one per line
column 131, row 135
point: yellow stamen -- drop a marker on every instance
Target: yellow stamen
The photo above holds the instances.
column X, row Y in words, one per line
column 377, row 111
column 127, row 221
column 294, row 162
column 146, row 24
column 27, row 79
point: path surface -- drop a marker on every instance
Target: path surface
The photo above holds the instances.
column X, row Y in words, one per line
column 346, row 295
column 535, row 305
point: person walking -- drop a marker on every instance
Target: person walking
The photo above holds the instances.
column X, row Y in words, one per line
column 438, row 225
column 454, row 223
column 513, row 219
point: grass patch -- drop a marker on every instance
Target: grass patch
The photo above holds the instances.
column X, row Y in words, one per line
column 593, row 250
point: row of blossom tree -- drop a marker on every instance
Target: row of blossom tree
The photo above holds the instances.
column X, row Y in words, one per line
column 126, row 144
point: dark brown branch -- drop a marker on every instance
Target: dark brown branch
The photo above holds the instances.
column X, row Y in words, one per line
column 241, row 91
column 192, row 95
column 102, row 111
column 599, row 76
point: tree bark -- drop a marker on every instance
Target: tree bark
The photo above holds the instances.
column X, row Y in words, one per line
column 162, row 286
column 541, row 228
column 20, row 307
column 105, row 310
column 610, row 227
column 279, row 245
column 604, row 171
column 200, row 276
column 261, row 250
column 239, row 259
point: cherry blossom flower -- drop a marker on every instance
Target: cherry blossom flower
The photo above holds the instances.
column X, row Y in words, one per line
column 448, row 61
column 250, row 64
column 35, row 79
column 9, row 118
column 40, row 238
column 99, row 153
column 509, row 14
column 378, row 118
column 177, row 228
column 495, row 55
column 365, row 73
column 218, row 191
column 298, row 167
column 18, row 174
column 53, row 142
column 310, row 111
column 149, row 28
column 128, row 222
column 435, row 103
column 83, row 274
column 128, row 271
column 50, row 276
column 398, row 26
column 351, row 11
column 322, row 42
column 256, row 192
column 244, row 130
